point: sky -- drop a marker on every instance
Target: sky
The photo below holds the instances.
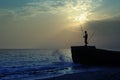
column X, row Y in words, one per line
column 59, row 23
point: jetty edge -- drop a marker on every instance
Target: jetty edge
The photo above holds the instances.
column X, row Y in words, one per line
column 90, row 55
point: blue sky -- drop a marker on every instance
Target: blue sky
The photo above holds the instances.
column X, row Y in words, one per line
column 56, row 23
column 8, row 4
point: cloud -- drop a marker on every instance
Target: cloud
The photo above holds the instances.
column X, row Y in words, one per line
column 69, row 8
column 44, row 23
column 106, row 33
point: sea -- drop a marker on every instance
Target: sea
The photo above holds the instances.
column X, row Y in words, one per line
column 34, row 64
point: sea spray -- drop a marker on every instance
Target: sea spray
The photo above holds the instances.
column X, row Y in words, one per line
column 63, row 55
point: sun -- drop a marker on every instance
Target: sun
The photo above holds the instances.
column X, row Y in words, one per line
column 78, row 19
column 81, row 18
column 78, row 12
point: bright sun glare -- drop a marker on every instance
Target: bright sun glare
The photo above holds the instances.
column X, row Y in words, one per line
column 81, row 18
column 78, row 13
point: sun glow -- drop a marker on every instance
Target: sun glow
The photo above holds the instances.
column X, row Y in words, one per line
column 79, row 11
column 81, row 18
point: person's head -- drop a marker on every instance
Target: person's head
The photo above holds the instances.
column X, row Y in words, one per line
column 85, row 32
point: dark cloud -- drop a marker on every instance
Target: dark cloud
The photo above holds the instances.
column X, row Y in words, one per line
column 107, row 33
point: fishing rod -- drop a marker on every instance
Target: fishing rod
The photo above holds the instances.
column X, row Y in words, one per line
column 91, row 36
column 82, row 29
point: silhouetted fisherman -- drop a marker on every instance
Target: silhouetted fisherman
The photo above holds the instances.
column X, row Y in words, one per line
column 86, row 38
